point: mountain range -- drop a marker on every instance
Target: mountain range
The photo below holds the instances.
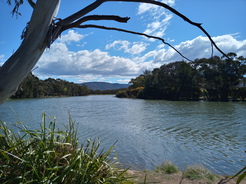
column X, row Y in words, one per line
column 104, row 85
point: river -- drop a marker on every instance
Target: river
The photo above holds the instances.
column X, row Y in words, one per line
column 212, row 134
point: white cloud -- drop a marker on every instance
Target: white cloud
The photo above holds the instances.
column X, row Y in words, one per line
column 127, row 47
column 58, row 60
column 200, row 47
column 159, row 16
column 92, row 65
column 70, row 36
column 144, row 7
column 158, row 28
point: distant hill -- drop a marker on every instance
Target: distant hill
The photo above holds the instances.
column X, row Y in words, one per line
column 104, row 85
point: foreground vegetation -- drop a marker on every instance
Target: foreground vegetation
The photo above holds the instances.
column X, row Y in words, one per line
column 50, row 155
column 213, row 79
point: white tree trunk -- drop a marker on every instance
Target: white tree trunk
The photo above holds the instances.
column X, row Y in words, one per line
column 19, row 65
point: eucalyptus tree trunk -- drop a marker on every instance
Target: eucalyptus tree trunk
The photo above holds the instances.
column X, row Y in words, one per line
column 19, row 65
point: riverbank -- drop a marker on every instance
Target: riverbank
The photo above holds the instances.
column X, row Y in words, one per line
column 169, row 173
column 151, row 177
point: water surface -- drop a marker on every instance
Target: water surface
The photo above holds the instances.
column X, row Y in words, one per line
column 212, row 134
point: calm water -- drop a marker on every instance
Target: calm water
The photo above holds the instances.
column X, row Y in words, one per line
column 148, row 132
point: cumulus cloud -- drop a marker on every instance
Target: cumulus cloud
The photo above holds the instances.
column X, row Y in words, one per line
column 71, row 36
column 127, row 47
column 60, row 61
column 200, row 47
column 85, row 65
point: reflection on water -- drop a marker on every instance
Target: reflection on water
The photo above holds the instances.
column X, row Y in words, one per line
column 149, row 131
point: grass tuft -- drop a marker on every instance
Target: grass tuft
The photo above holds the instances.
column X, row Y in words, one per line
column 50, row 155
column 197, row 172
column 167, row 167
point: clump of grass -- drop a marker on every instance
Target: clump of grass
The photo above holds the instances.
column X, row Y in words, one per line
column 50, row 155
column 197, row 172
column 167, row 167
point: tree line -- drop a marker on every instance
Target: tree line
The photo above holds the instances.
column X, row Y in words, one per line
column 33, row 87
column 212, row 79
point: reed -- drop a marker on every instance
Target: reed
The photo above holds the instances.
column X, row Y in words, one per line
column 50, row 155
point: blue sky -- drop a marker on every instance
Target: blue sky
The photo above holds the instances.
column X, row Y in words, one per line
column 84, row 55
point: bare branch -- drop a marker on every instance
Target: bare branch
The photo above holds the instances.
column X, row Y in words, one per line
column 57, row 28
column 32, row 4
column 102, row 17
column 82, row 12
column 97, row 3
column 96, row 17
column 132, row 32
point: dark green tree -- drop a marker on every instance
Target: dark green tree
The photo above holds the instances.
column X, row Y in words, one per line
column 33, row 87
column 220, row 77
column 173, row 81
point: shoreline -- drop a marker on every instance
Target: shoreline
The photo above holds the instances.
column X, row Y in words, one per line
column 151, row 177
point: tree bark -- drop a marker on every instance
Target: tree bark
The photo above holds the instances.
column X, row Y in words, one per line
column 19, row 65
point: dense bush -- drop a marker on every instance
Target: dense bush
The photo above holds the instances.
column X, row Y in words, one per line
column 49, row 155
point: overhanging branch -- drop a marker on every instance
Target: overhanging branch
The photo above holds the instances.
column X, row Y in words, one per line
column 132, row 32
column 97, row 3
column 96, row 17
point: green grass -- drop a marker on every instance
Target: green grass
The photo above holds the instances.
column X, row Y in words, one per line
column 50, row 155
column 197, row 172
column 167, row 167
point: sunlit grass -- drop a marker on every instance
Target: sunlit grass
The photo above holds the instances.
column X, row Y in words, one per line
column 197, row 172
column 167, row 167
column 51, row 155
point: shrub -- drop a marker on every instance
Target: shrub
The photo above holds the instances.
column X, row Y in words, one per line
column 167, row 167
column 49, row 155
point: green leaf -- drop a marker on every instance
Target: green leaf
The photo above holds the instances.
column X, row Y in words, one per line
column 241, row 177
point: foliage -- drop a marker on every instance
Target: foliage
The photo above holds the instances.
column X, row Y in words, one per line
column 241, row 175
column 17, row 4
column 213, row 79
column 33, row 87
column 105, row 92
column 167, row 167
column 122, row 94
column 50, row 155
column 198, row 173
